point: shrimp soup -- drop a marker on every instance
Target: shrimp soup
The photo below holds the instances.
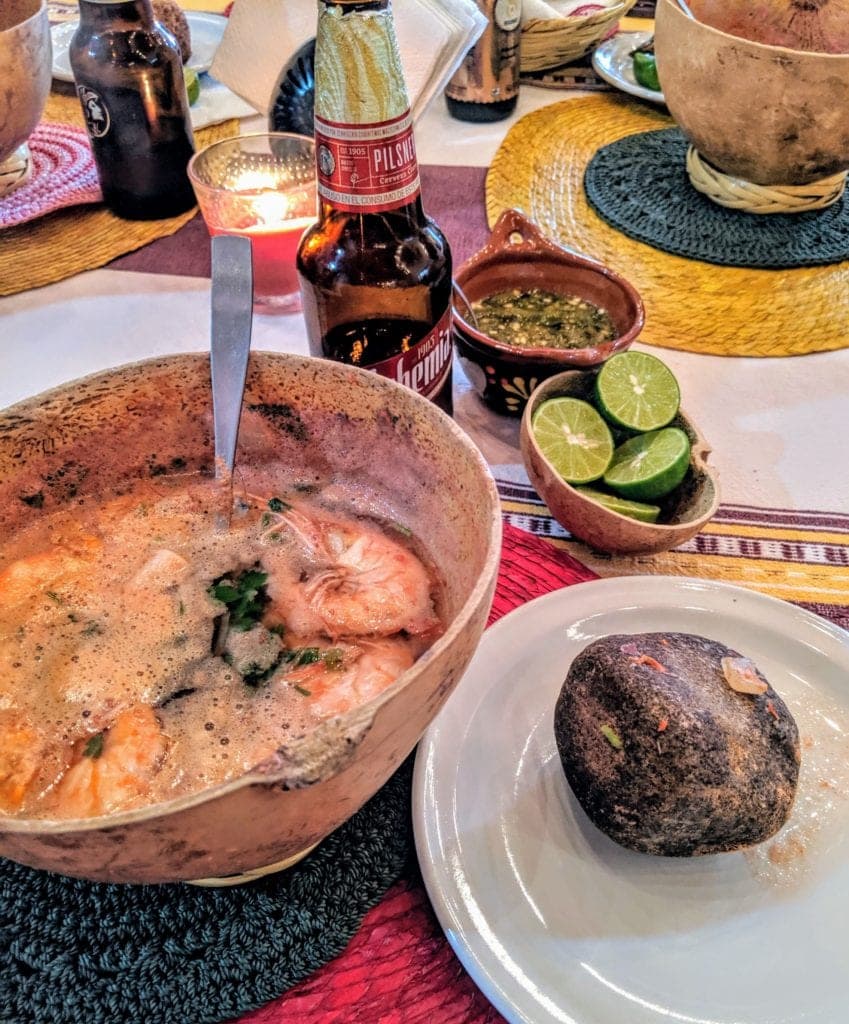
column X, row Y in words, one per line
column 172, row 655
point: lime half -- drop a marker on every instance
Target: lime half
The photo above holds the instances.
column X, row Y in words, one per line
column 192, row 85
column 649, row 466
column 574, row 438
column 632, row 509
column 637, row 391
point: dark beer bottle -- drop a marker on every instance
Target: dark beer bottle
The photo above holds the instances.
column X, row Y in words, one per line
column 375, row 272
column 486, row 85
column 129, row 77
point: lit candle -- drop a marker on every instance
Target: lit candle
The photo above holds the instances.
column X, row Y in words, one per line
column 271, row 201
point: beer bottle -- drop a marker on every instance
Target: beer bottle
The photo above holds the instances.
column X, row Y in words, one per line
column 375, row 272
column 486, row 85
column 128, row 73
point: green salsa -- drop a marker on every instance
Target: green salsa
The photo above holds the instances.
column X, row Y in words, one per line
column 541, row 319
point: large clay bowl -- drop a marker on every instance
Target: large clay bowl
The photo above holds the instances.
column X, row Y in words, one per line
column 518, row 255
column 416, row 467
column 25, row 70
column 684, row 513
column 767, row 114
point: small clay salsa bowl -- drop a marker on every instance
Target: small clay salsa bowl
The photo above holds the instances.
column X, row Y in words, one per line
column 683, row 513
column 399, row 457
column 518, row 255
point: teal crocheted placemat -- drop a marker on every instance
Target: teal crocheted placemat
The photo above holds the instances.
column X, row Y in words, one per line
column 77, row 952
column 639, row 185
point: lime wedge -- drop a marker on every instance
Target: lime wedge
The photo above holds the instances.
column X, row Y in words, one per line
column 637, row 391
column 574, row 438
column 192, row 85
column 649, row 466
column 631, row 509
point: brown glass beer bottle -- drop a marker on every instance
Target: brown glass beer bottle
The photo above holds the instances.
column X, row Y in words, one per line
column 375, row 271
column 129, row 77
column 486, row 85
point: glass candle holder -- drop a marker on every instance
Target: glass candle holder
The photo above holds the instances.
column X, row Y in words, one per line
column 261, row 186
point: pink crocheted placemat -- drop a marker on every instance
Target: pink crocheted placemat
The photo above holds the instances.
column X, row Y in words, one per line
column 63, row 175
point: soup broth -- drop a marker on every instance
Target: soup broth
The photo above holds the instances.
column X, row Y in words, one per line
column 146, row 653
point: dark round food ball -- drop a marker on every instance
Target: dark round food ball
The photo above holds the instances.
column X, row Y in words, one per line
column 665, row 756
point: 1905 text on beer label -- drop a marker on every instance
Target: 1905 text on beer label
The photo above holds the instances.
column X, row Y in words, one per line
column 367, row 168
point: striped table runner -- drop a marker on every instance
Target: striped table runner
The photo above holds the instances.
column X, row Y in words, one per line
column 798, row 556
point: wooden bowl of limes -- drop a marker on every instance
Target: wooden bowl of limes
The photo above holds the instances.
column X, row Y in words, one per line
column 617, row 461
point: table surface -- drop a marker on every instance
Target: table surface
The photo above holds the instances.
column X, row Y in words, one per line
column 776, row 426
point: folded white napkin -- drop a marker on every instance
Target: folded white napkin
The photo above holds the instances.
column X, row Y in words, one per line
column 217, row 103
column 261, row 36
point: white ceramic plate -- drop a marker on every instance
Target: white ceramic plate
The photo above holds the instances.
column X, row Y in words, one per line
column 554, row 921
column 206, row 31
column 612, row 62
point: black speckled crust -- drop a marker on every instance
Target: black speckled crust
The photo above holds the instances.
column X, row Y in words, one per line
column 720, row 776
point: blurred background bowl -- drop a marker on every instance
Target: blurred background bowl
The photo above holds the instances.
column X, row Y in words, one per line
column 765, row 113
column 518, row 255
column 821, row 26
column 25, row 75
column 684, row 512
column 389, row 453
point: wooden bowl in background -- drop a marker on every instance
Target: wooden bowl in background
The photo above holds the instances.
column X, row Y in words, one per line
column 767, row 114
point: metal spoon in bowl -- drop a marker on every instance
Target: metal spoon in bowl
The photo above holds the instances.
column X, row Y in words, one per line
column 232, row 313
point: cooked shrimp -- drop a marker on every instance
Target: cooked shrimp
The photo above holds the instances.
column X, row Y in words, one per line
column 48, row 572
column 20, row 757
column 357, row 673
column 358, row 582
column 115, row 768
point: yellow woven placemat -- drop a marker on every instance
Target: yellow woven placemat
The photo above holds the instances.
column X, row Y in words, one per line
column 692, row 306
column 81, row 237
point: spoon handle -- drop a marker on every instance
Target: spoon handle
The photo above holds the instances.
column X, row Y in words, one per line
column 232, row 311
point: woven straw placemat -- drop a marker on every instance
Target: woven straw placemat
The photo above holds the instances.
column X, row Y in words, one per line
column 82, row 237
column 639, row 185
column 690, row 305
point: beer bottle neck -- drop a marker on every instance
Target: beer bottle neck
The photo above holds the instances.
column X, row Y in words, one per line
column 357, row 6
column 125, row 14
column 365, row 153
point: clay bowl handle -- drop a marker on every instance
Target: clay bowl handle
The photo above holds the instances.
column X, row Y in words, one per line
column 515, row 233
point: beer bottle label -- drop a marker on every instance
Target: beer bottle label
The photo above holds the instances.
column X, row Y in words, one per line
column 367, row 168
column 424, row 367
column 95, row 112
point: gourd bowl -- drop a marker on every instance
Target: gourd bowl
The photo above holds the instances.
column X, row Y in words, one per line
column 399, row 457
column 25, row 71
column 760, row 111
column 684, row 513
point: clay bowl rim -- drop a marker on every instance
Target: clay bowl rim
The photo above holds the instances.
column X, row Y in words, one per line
column 773, row 48
column 699, row 452
column 532, row 247
column 360, row 719
column 40, row 11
